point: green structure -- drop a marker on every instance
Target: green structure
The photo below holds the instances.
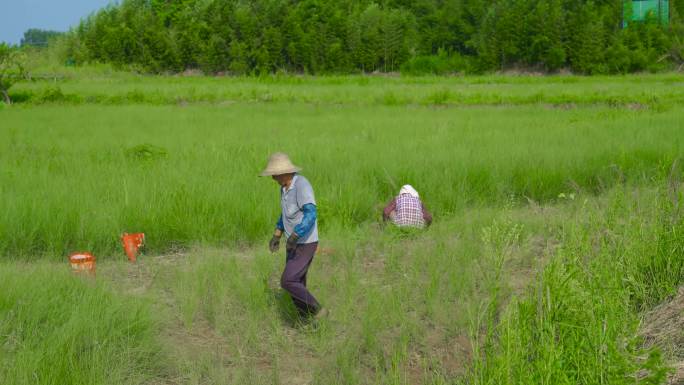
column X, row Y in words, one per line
column 640, row 10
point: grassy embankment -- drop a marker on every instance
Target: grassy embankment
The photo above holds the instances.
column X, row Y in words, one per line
column 102, row 85
column 556, row 228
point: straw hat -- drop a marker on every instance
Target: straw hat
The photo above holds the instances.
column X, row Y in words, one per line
column 279, row 164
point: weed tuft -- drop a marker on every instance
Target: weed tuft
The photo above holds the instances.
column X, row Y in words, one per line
column 146, row 152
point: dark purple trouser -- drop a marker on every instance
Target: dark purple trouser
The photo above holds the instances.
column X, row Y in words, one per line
column 294, row 277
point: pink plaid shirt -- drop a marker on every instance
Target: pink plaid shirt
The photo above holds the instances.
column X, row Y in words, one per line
column 407, row 210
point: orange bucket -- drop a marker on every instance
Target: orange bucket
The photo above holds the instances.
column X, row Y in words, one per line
column 132, row 243
column 82, row 263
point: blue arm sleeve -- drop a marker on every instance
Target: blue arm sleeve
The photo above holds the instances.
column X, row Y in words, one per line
column 280, row 225
column 308, row 221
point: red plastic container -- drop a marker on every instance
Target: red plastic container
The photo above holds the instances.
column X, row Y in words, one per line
column 82, row 263
column 132, row 244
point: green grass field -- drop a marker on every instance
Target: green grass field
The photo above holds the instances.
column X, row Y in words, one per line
column 557, row 226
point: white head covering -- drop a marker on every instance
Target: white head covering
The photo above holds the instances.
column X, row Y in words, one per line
column 408, row 189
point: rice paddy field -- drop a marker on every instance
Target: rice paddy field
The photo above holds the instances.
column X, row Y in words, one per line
column 558, row 237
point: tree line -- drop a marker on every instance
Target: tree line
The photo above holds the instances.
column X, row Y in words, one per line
column 36, row 37
column 349, row 36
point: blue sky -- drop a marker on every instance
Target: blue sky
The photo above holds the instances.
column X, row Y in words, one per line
column 16, row 16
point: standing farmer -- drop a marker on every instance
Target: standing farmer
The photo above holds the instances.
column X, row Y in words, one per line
column 298, row 222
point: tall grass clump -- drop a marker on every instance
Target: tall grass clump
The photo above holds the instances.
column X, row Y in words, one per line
column 577, row 324
column 56, row 328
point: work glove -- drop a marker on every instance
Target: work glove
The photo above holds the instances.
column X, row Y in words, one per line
column 292, row 242
column 274, row 244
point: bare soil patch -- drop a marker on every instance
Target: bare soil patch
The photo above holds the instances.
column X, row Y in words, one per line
column 664, row 327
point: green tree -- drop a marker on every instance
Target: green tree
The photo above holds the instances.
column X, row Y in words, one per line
column 397, row 38
column 500, row 43
column 370, row 49
column 239, row 64
column 544, row 37
column 11, row 69
column 588, row 41
column 35, row 37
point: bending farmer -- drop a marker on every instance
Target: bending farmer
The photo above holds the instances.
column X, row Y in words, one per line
column 298, row 222
column 406, row 209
